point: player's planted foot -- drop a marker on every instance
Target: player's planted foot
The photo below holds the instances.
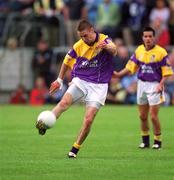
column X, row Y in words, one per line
column 41, row 127
column 145, row 142
column 157, row 145
column 143, row 146
column 72, row 155
column 74, row 150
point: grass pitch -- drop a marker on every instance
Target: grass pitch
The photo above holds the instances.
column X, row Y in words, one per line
column 109, row 152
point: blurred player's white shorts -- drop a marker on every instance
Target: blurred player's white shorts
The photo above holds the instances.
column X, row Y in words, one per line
column 146, row 93
column 91, row 92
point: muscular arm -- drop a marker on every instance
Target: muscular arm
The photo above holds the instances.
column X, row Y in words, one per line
column 63, row 71
column 110, row 47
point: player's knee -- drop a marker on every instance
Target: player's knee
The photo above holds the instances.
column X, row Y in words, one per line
column 153, row 117
column 64, row 104
column 143, row 117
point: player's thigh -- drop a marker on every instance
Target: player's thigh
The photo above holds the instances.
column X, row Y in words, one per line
column 75, row 93
column 96, row 93
column 141, row 93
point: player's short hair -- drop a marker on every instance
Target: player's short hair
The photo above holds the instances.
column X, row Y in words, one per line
column 148, row 28
column 84, row 24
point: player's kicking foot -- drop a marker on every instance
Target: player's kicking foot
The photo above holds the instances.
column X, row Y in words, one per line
column 143, row 146
column 41, row 127
column 157, row 145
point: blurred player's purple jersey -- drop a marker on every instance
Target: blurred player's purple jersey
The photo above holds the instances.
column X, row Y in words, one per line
column 152, row 65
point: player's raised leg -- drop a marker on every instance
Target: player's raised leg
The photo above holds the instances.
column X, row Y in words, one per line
column 156, row 126
column 85, row 129
column 143, row 114
column 63, row 105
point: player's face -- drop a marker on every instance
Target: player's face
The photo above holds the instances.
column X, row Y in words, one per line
column 148, row 39
column 88, row 36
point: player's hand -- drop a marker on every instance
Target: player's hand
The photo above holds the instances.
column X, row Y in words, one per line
column 159, row 88
column 101, row 45
column 57, row 84
column 116, row 74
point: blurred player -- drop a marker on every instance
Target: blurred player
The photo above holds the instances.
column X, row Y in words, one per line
column 151, row 62
column 91, row 62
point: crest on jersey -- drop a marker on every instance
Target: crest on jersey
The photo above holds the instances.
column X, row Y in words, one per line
column 152, row 58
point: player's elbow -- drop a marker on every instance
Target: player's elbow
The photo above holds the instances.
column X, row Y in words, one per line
column 115, row 51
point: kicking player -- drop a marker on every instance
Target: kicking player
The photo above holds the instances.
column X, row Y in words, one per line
column 151, row 62
column 91, row 62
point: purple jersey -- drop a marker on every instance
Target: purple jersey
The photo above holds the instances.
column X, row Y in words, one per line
column 152, row 65
column 90, row 63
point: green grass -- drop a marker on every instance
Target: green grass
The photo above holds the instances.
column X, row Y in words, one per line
column 109, row 152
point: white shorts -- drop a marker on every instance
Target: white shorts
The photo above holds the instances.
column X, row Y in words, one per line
column 146, row 93
column 91, row 92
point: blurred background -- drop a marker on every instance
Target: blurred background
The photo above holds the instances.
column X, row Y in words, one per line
column 35, row 35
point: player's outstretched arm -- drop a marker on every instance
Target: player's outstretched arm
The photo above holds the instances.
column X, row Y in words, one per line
column 58, row 83
column 121, row 73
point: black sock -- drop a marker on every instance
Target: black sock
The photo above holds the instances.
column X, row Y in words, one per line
column 74, row 150
column 146, row 140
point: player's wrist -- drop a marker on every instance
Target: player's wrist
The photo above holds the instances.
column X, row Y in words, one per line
column 59, row 80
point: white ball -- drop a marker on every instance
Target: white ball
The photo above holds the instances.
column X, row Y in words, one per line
column 48, row 118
